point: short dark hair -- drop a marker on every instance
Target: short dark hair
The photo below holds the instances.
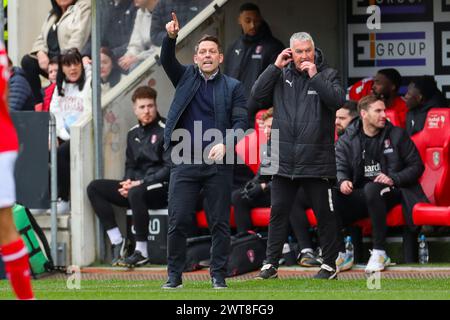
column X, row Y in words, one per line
column 366, row 102
column 268, row 114
column 393, row 75
column 207, row 37
column 249, row 6
column 426, row 85
column 352, row 107
column 144, row 92
column 53, row 60
column 68, row 57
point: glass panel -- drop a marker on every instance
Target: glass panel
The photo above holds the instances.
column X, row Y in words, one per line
column 132, row 29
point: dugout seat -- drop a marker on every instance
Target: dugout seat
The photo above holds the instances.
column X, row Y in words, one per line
column 433, row 143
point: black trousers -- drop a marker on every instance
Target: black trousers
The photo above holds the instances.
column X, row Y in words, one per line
column 63, row 160
column 368, row 202
column 186, row 181
column 298, row 219
column 32, row 71
column 104, row 193
column 318, row 193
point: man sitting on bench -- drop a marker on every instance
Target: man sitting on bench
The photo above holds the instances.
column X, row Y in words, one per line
column 144, row 186
column 378, row 167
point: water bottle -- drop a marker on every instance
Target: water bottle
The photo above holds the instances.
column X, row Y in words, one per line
column 423, row 250
column 349, row 246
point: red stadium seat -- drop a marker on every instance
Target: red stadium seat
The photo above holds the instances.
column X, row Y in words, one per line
column 202, row 222
column 433, row 143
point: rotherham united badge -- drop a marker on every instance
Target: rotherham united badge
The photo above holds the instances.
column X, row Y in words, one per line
column 154, row 138
column 251, row 255
column 259, row 49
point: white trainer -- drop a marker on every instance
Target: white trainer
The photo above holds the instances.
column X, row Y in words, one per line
column 378, row 261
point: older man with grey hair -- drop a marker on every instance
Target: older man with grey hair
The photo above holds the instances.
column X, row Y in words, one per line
column 305, row 93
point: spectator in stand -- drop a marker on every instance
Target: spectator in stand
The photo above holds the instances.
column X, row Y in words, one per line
column 386, row 85
column 70, row 101
column 423, row 95
column 185, row 9
column 20, row 96
column 116, row 25
column 140, row 46
column 378, row 167
column 144, row 186
column 52, row 69
column 256, row 194
column 47, row 92
column 110, row 74
column 255, row 49
column 68, row 25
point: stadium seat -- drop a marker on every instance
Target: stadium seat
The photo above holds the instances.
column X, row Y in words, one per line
column 202, row 221
column 433, row 143
column 248, row 148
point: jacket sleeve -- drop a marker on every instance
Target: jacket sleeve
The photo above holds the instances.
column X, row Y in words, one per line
column 19, row 93
column 171, row 65
column 413, row 163
column 41, row 44
column 343, row 162
column 262, row 91
column 82, row 17
column 328, row 85
column 157, row 30
column 239, row 115
column 162, row 175
column 130, row 163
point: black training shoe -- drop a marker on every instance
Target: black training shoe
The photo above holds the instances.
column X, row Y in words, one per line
column 309, row 259
column 218, row 283
column 117, row 253
column 135, row 260
column 172, row 284
column 268, row 271
column 326, row 273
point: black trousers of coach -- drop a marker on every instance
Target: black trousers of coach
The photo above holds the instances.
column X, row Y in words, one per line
column 319, row 194
column 186, row 181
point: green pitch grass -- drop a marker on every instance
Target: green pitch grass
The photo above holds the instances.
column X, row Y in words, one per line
column 301, row 289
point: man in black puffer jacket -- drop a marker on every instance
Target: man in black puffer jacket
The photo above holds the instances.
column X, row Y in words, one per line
column 305, row 93
column 378, row 167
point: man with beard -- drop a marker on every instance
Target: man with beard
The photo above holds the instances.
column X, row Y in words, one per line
column 378, row 167
column 386, row 85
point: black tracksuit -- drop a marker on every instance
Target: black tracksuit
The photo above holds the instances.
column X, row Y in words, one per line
column 397, row 157
column 304, row 115
column 415, row 118
column 146, row 161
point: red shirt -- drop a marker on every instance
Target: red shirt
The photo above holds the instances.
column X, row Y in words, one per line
column 360, row 89
column 8, row 136
column 400, row 108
